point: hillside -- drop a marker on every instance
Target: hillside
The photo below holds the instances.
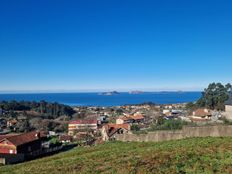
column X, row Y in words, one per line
column 200, row 155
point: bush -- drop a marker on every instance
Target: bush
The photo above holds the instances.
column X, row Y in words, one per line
column 227, row 122
column 54, row 141
column 168, row 125
column 135, row 127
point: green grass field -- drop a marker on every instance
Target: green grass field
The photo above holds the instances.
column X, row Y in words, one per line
column 196, row 155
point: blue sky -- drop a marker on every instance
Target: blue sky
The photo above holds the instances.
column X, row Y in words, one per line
column 89, row 45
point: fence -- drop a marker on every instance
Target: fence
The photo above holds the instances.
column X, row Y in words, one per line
column 186, row 132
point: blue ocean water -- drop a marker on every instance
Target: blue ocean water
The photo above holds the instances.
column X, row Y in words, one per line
column 94, row 99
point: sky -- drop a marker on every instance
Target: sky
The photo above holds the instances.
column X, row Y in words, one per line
column 97, row 45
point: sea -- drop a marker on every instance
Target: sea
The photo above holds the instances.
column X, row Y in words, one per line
column 96, row 99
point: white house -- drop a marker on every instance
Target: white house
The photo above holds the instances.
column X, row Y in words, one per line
column 228, row 110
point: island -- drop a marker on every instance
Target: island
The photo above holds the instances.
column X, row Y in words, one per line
column 136, row 92
column 110, row 93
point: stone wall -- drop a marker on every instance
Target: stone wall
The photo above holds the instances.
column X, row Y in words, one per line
column 186, row 132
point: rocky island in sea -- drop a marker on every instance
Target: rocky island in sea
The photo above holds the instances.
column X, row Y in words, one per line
column 136, row 92
column 110, row 93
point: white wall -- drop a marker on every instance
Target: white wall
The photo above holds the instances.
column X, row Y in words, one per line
column 228, row 112
column 119, row 121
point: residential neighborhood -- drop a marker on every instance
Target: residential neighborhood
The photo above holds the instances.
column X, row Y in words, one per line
column 90, row 126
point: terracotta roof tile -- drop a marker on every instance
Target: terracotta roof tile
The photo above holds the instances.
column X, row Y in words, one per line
column 137, row 117
column 202, row 112
column 24, row 138
column 7, row 136
column 83, row 122
column 117, row 126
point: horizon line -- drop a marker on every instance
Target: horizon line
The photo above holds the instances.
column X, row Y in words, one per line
column 86, row 91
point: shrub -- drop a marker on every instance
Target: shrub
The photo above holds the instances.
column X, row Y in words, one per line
column 135, row 127
column 168, row 125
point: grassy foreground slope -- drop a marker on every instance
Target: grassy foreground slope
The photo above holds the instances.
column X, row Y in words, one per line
column 196, row 155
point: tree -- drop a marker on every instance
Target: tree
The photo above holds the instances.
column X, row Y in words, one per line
column 215, row 96
column 190, row 105
column 23, row 126
column 119, row 111
column 35, row 123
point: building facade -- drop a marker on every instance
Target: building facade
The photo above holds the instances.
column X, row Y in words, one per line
column 26, row 143
column 82, row 126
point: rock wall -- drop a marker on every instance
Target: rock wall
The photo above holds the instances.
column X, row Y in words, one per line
column 186, row 132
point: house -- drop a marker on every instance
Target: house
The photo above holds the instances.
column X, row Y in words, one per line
column 11, row 122
column 26, row 143
column 165, row 111
column 52, row 133
column 110, row 131
column 168, row 107
column 136, row 118
column 65, row 138
column 124, row 120
column 168, row 114
column 201, row 115
column 177, row 112
column 228, row 109
column 102, row 119
column 82, row 126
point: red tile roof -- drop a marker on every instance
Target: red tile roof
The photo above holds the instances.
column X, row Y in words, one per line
column 137, row 117
column 113, row 128
column 202, row 112
column 117, row 126
column 24, row 138
column 83, row 122
column 7, row 136
column 132, row 117
column 124, row 118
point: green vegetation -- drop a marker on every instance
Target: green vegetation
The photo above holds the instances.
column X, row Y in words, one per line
column 191, row 106
column 135, row 127
column 215, row 96
column 136, row 130
column 163, row 124
column 196, row 155
column 226, row 121
column 54, row 141
column 28, row 116
column 52, row 110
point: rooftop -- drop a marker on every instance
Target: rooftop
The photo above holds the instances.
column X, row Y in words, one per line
column 83, row 122
column 23, row 138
